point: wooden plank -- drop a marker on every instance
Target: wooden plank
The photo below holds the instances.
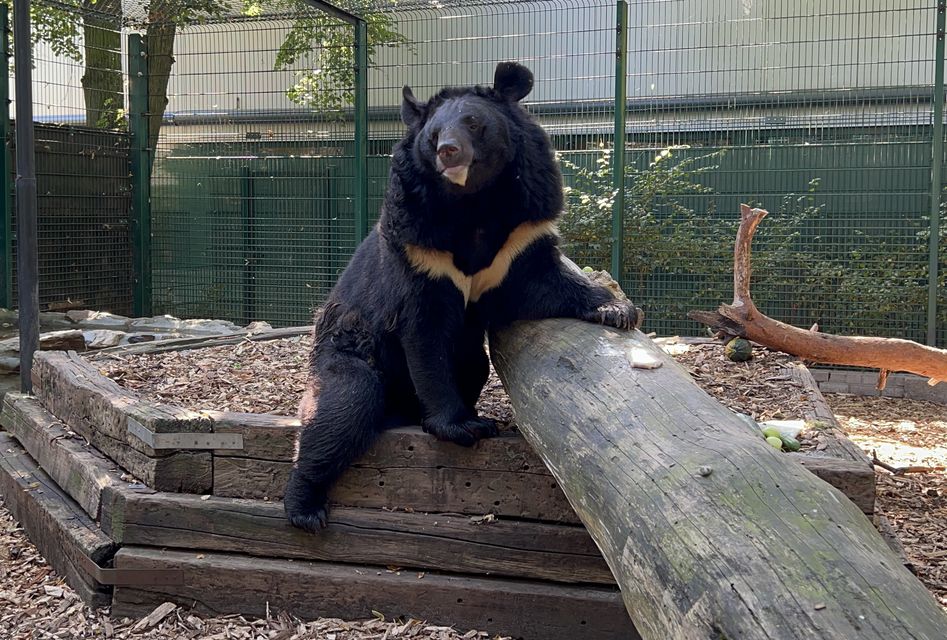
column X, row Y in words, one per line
column 56, row 524
column 199, row 342
column 72, row 388
column 405, row 468
column 854, row 479
column 80, row 470
column 265, row 436
column 418, row 541
column 256, row 586
column 842, row 463
column 97, row 409
column 441, row 489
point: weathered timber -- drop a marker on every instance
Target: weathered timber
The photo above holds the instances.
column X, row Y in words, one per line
column 405, row 468
column 80, row 470
column 710, row 532
column 422, row 542
column 256, row 586
column 98, row 409
column 265, row 436
column 198, row 342
column 56, row 524
column 842, row 464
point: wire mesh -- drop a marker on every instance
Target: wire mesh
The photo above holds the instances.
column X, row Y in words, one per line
column 82, row 172
column 253, row 180
column 820, row 112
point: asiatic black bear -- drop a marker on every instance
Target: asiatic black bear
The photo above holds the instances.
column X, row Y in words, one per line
column 466, row 241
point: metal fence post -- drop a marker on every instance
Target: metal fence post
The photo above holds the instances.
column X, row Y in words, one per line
column 6, row 167
column 618, row 154
column 937, row 159
column 27, row 242
column 140, row 173
column 361, row 130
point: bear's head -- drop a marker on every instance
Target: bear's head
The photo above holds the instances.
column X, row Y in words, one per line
column 466, row 135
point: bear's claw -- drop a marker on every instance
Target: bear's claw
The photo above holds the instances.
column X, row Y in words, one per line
column 621, row 314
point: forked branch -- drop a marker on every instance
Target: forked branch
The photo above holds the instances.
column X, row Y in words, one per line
column 742, row 318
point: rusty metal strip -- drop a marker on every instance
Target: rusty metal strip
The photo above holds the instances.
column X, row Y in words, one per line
column 130, row 577
column 163, row 441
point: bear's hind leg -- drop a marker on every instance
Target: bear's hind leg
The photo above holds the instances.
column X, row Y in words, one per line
column 349, row 413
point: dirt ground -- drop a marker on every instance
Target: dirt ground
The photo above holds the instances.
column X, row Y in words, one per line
column 35, row 603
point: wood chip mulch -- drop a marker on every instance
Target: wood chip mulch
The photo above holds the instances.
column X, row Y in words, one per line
column 907, row 433
column 266, row 376
column 758, row 388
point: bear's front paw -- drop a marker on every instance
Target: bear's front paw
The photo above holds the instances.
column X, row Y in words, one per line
column 306, row 506
column 463, row 432
column 621, row 314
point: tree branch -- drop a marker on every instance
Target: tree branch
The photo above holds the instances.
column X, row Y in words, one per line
column 744, row 319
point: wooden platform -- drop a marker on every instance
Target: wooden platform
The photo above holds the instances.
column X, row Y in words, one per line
column 517, row 577
column 479, row 537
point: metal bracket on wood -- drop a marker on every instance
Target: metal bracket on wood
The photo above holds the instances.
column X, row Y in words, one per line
column 130, row 577
column 160, row 441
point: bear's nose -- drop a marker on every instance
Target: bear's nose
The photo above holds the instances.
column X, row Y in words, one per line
column 448, row 150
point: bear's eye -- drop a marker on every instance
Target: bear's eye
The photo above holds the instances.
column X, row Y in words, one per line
column 472, row 123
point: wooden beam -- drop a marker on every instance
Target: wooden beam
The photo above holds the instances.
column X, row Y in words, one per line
column 418, row 541
column 80, row 470
column 59, row 527
column 520, row 608
column 709, row 532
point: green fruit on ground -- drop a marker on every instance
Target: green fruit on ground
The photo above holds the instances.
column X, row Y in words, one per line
column 771, row 432
column 738, row 350
column 775, row 442
column 790, row 444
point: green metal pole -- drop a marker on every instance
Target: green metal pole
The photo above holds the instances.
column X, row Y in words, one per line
column 141, row 174
column 6, row 167
column 618, row 154
column 361, row 130
column 937, row 161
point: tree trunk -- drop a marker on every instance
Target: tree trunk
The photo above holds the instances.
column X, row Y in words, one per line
column 709, row 531
column 102, row 80
column 159, row 42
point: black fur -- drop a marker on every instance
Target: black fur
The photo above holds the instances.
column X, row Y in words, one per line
column 397, row 346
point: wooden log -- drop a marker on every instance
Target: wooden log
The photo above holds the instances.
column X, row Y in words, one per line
column 257, row 586
column 56, row 524
column 709, row 532
column 422, row 542
column 80, row 470
column 198, row 342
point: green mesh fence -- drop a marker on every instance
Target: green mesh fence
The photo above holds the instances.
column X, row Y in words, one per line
column 82, row 160
column 253, row 182
column 820, row 112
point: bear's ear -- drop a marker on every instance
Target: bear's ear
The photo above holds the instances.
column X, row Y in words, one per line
column 512, row 81
column 411, row 110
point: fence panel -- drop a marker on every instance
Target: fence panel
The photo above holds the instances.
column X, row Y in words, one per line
column 819, row 112
column 82, row 159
